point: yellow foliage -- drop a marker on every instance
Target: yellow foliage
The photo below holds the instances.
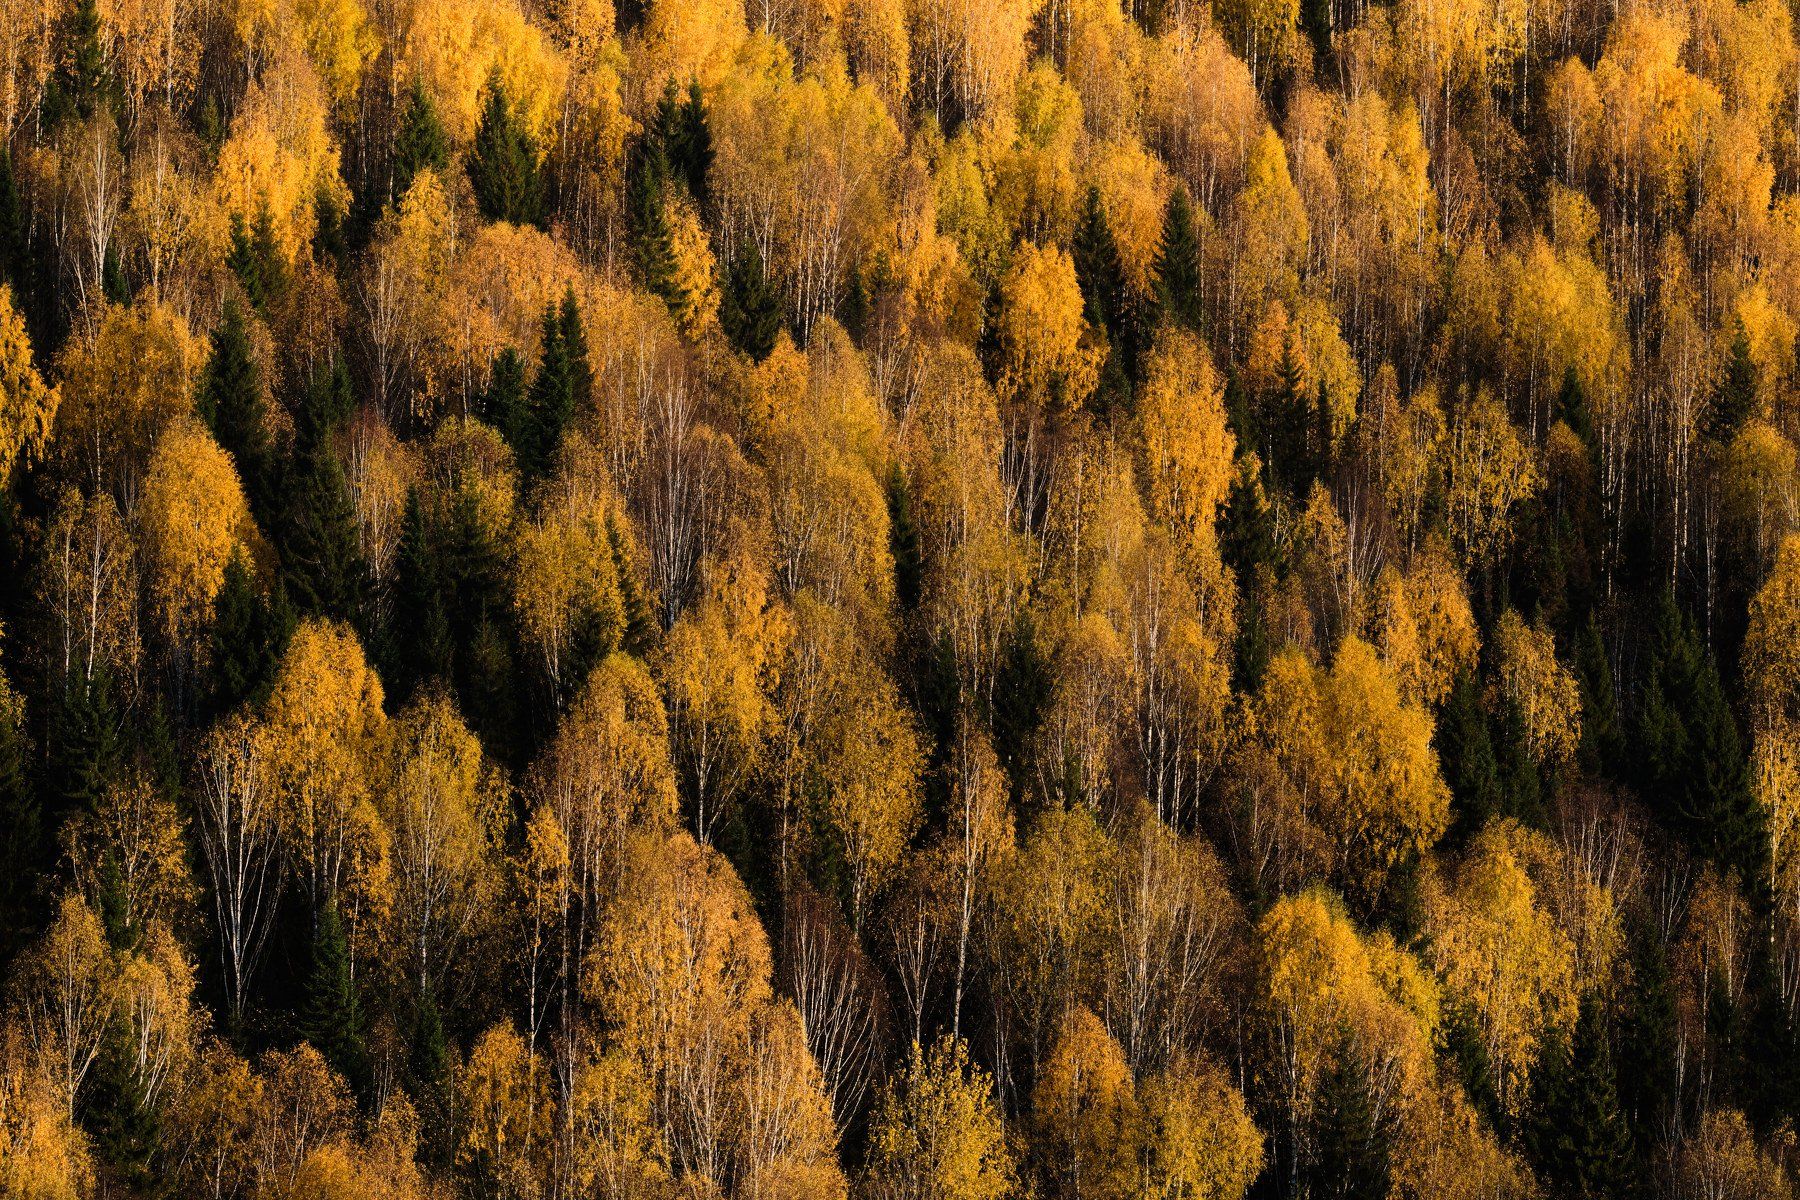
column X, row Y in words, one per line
column 27, row 407
column 456, row 46
column 1504, row 955
column 120, row 389
column 938, row 1132
column 194, row 519
column 281, row 157
column 1545, row 693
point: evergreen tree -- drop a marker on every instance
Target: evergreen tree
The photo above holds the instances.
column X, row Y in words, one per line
column 1290, row 425
column 903, row 536
column 749, row 313
column 551, row 401
column 690, row 144
column 504, row 404
column 21, row 824
column 1575, row 1130
column 81, row 84
column 1735, row 402
column 1691, row 762
column 1602, row 741
column 647, row 181
column 419, row 143
column 331, row 1016
column 1178, row 264
column 231, row 403
column 250, row 633
column 503, row 163
column 640, row 622
column 124, row 1127
column 1466, row 751
column 1106, row 303
column 1315, row 21
column 322, row 554
column 575, row 354
column 15, row 266
column 1522, row 782
column 429, row 1056
column 419, row 638
column 1770, row 1068
column 86, row 744
column 1353, row 1143
column 1647, row 1031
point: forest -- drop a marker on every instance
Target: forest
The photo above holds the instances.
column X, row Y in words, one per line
column 899, row 600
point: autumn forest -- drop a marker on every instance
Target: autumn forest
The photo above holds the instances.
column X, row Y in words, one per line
column 899, row 600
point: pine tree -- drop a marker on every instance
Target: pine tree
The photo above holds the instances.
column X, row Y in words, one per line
column 575, row 353
column 1691, row 763
column 647, row 181
column 250, row 632
column 1178, row 264
column 1107, row 307
column 1575, row 1130
column 1735, row 402
column 21, row 824
column 690, row 144
column 749, row 313
column 1602, row 741
column 503, row 403
column 909, row 567
column 429, row 1055
column 503, row 164
column 1466, row 750
column 1290, row 424
column 331, row 1016
column 86, row 743
column 81, row 84
column 640, row 622
column 551, row 401
column 419, row 638
column 1352, row 1143
column 1647, row 1030
column 419, row 143
column 231, row 402
column 322, row 554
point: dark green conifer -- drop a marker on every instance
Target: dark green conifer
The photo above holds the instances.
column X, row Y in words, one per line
column 231, row 403
column 1735, row 401
column 331, row 1015
column 1178, row 264
column 503, row 164
column 420, row 142
column 1574, row 1129
column 749, row 312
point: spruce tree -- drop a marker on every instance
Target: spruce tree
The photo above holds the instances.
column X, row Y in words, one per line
column 1352, row 1142
column 503, row 164
column 81, row 84
column 322, row 553
column 575, row 353
column 1291, row 425
column 419, row 143
column 1735, row 401
column 331, row 1016
column 1178, row 264
column 749, row 313
column 647, row 181
column 551, row 401
column 1106, row 304
column 250, row 633
column 419, row 638
column 640, row 621
column 21, row 823
column 1466, row 750
column 504, row 404
column 231, row 403
column 1575, row 1130
column 1647, row 1039
column 1602, row 741
column 690, row 144
column 1691, row 762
